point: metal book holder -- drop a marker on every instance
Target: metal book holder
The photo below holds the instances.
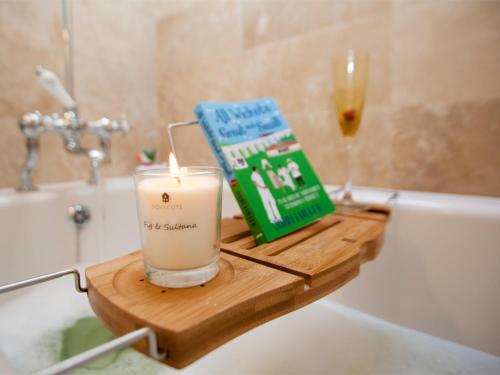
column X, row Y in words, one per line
column 174, row 125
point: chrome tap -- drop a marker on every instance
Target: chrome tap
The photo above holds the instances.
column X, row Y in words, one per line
column 69, row 126
column 30, row 125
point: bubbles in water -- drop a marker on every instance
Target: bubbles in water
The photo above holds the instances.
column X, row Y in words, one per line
column 51, row 322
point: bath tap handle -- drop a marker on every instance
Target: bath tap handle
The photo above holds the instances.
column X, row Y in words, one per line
column 69, row 125
column 105, row 127
column 50, row 82
column 31, row 124
column 124, row 124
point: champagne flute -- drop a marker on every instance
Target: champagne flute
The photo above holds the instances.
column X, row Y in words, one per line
column 350, row 78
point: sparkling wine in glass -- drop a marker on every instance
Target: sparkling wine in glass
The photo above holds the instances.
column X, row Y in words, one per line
column 350, row 78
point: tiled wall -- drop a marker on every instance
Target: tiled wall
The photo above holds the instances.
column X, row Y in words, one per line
column 114, row 73
column 432, row 120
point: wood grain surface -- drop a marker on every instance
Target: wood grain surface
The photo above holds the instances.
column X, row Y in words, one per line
column 255, row 284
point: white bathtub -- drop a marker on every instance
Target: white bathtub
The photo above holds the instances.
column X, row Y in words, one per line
column 438, row 274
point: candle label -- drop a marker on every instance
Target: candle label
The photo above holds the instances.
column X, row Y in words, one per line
column 165, row 227
column 269, row 174
column 164, row 199
column 158, row 206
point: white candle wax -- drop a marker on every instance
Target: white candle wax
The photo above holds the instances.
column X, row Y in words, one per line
column 179, row 217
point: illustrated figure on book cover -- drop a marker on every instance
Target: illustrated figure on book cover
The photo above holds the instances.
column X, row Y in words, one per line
column 284, row 174
column 267, row 198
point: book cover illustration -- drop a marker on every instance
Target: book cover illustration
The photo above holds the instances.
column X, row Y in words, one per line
column 269, row 174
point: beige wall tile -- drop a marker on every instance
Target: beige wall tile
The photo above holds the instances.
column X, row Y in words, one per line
column 13, row 151
column 431, row 120
column 20, row 91
column 162, row 8
column 448, row 149
column 113, row 90
column 42, row 16
column 30, row 34
column 56, row 164
column 121, row 34
column 298, row 71
column 270, row 21
column 207, row 32
column 372, row 153
column 115, row 74
column 218, row 80
column 199, row 59
column 446, row 51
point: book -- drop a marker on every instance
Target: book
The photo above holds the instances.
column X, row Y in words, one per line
column 272, row 180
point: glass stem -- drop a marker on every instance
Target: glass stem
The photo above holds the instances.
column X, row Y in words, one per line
column 348, row 183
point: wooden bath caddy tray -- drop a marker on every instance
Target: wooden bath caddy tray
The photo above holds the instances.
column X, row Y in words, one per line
column 255, row 284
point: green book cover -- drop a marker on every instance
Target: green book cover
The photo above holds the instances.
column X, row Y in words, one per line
column 269, row 174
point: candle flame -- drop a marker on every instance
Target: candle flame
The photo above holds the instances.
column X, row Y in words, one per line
column 174, row 167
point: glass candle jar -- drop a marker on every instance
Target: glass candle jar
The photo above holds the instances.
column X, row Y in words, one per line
column 179, row 217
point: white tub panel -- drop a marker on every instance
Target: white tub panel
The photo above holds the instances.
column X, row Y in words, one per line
column 438, row 271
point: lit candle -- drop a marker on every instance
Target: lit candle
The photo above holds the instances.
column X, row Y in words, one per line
column 179, row 213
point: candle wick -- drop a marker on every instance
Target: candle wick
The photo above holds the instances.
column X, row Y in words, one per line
column 178, row 179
